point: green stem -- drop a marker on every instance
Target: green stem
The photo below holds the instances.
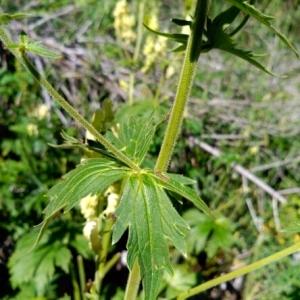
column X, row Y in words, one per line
column 259, row 264
column 106, row 242
column 82, row 279
column 76, row 290
column 111, row 263
column 185, row 83
column 65, row 105
column 133, row 283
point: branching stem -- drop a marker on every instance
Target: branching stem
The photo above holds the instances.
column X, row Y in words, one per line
column 185, row 83
column 65, row 105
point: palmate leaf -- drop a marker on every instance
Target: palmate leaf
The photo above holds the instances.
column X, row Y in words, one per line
column 134, row 137
column 93, row 176
column 152, row 220
column 262, row 18
column 38, row 266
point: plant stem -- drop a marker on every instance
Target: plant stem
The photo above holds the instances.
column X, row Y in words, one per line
column 133, row 283
column 65, row 105
column 82, row 279
column 76, row 289
column 240, row 272
column 185, row 83
column 106, row 242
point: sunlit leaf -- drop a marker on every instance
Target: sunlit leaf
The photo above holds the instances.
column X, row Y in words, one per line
column 41, row 50
column 93, row 176
column 152, row 220
column 134, row 137
column 177, row 183
column 6, row 18
column 34, row 47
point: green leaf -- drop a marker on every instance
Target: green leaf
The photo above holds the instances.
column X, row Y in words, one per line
column 224, row 19
column 93, row 176
column 294, row 228
column 182, row 280
column 37, row 266
column 6, row 18
column 36, row 48
column 148, row 213
column 134, row 138
column 207, row 234
column 262, row 18
column 219, row 39
column 248, row 56
column 181, row 22
column 177, row 183
column 177, row 37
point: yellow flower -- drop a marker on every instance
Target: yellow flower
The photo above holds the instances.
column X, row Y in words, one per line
column 254, row 149
column 112, row 203
column 32, row 129
column 154, row 46
column 41, row 112
column 124, row 22
column 90, row 231
column 88, row 206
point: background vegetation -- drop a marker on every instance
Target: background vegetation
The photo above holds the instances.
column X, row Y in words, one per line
column 252, row 118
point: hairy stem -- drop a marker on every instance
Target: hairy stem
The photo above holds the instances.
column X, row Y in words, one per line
column 259, row 264
column 65, row 105
column 185, row 83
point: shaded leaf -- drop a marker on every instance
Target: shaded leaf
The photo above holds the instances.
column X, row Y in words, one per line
column 181, row 22
column 225, row 18
column 177, row 37
column 208, row 234
column 248, row 56
column 148, row 213
column 262, row 18
column 73, row 143
column 219, row 39
column 294, row 228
